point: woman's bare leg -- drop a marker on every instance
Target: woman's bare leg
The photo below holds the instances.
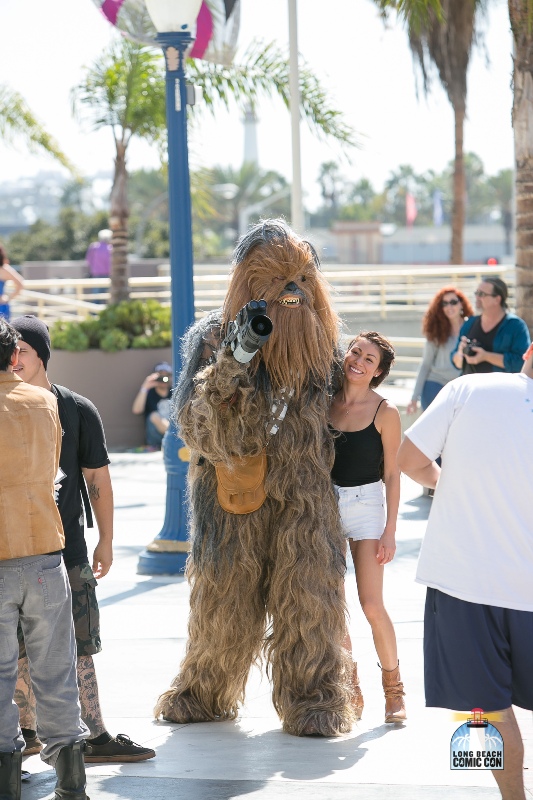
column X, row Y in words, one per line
column 369, row 577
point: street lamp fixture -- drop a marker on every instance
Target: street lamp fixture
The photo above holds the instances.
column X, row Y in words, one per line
column 176, row 16
column 174, row 21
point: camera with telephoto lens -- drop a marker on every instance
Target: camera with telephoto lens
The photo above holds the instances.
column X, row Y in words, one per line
column 467, row 349
column 249, row 331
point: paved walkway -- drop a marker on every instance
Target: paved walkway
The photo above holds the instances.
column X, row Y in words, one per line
column 143, row 630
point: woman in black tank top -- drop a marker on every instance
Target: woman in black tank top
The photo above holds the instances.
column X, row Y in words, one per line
column 367, row 437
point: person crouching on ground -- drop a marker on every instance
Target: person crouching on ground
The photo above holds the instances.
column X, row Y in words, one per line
column 153, row 400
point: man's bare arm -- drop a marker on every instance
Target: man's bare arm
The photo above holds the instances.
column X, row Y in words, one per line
column 101, row 497
column 416, row 465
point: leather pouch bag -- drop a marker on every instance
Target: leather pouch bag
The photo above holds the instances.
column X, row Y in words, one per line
column 241, row 487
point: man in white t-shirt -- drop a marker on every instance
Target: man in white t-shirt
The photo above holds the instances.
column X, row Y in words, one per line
column 477, row 555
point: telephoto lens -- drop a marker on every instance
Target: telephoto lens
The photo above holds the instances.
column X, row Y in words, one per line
column 254, row 330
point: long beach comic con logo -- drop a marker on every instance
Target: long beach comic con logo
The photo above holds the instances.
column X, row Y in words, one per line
column 476, row 744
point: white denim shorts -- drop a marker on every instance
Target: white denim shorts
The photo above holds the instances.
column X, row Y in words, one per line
column 362, row 510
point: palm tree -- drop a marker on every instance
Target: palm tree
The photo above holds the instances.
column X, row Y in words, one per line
column 442, row 33
column 238, row 189
column 125, row 91
column 17, row 121
column 502, row 186
column 521, row 17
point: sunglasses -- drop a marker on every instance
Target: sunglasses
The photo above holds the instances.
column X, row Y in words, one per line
column 445, row 303
column 484, row 294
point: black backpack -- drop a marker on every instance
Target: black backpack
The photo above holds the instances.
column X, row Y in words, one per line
column 73, row 422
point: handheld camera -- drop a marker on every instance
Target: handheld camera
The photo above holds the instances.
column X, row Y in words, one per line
column 249, row 331
column 467, row 349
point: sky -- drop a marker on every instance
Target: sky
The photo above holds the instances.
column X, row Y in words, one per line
column 366, row 68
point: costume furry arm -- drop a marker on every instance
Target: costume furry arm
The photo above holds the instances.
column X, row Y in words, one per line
column 219, row 411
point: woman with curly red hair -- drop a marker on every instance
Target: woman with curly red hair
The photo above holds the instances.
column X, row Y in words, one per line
column 441, row 325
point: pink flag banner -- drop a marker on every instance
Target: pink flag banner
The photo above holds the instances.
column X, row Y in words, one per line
column 410, row 209
column 217, row 26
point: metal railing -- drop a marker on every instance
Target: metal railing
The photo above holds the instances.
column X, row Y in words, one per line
column 394, row 290
column 406, row 364
column 382, row 293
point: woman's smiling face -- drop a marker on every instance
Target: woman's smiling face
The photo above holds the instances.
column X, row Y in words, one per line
column 361, row 362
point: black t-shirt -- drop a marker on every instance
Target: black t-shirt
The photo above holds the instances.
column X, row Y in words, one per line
column 91, row 452
column 153, row 399
column 486, row 341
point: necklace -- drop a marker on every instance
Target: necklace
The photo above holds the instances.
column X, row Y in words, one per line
column 349, row 408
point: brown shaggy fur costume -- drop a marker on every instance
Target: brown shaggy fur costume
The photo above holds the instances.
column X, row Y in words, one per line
column 268, row 583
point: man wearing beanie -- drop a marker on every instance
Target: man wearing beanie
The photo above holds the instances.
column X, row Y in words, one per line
column 85, row 477
column 34, row 589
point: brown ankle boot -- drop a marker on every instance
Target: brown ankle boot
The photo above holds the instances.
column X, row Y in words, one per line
column 357, row 696
column 394, row 694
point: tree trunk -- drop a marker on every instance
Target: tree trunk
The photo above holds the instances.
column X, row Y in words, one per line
column 523, row 138
column 459, row 189
column 118, row 222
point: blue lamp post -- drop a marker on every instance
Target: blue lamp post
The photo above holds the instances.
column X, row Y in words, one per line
column 174, row 20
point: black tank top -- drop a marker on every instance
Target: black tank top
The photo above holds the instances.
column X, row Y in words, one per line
column 358, row 456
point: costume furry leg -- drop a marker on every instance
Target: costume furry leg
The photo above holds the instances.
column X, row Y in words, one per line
column 268, row 582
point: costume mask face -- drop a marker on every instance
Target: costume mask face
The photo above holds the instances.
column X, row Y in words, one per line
column 271, row 262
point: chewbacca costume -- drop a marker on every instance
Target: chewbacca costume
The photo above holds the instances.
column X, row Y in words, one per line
column 270, row 582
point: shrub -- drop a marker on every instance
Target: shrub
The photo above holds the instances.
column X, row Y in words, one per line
column 114, row 340
column 130, row 324
column 68, row 336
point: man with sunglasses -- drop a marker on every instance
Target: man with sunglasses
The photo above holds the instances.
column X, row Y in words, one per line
column 494, row 340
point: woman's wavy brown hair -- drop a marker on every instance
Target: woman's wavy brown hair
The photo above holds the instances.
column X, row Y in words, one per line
column 436, row 325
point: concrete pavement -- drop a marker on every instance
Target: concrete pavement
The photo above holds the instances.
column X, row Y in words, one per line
column 144, row 631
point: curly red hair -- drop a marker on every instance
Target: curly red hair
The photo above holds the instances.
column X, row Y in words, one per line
column 436, row 325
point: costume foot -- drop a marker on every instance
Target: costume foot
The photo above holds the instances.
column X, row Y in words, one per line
column 325, row 724
column 175, row 706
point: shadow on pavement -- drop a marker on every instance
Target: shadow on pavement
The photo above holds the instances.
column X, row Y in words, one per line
column 140, row 588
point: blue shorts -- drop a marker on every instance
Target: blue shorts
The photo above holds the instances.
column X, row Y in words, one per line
column 476, row 656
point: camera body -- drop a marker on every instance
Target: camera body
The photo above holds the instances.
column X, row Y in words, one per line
column 470, row 343
column 162, row 379
column 249, row 331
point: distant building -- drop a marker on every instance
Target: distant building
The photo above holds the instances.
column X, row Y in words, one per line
column 431, row 245
column 28, row 199
column 358, row 242
column 251, row 150
column 374, row 243
column 38, row 197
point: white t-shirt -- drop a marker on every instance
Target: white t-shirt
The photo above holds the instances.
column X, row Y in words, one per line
column 479, row 539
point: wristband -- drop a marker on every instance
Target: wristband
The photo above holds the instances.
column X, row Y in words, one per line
column 143, row 389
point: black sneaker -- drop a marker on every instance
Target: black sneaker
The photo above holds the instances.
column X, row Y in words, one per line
column 25, row 775
column 119, row 749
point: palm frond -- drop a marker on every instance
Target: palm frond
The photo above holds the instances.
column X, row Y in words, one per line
column 17, row 121
column 125, row 89
column 264, row 71
column 417, row 13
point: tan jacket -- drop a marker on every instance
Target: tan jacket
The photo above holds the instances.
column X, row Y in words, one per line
column 30, row 443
